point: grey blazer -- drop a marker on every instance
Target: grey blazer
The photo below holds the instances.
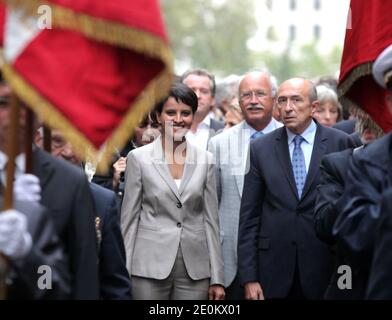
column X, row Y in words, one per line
column 230, row 150
column 157, row 217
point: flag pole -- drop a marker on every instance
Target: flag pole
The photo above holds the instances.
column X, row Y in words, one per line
column 8, row 197
column 47, row 139
column 29, row 140
column 12, row 152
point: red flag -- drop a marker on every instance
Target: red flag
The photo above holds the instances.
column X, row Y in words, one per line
column 369, row 32
column 2, row 21
column 95, row 73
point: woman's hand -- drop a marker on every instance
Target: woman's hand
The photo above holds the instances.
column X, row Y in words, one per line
column 216, row 292
column 119, row 166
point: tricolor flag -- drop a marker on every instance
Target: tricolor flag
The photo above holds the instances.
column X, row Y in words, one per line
column 100, row 67
column 369, row 32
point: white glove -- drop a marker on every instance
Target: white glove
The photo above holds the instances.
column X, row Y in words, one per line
column 15, row 240
column 27, row 188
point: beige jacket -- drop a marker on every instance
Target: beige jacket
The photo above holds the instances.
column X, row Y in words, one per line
column 157, row 217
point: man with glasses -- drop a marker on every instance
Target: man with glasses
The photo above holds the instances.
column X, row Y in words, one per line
column 230, row 148
column 114, row 281
column 203, row 127
column 279, row 255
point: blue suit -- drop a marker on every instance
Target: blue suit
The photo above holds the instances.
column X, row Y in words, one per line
column 113, row 275
column 277, row 244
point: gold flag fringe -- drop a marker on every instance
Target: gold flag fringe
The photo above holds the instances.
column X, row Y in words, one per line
column 81, row 145
column 99, row 29
column 358, row 72
column 113, row 34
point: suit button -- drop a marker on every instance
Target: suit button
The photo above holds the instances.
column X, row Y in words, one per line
column 179, row 205
column 179, row 225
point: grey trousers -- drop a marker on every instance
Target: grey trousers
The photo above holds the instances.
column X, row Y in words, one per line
column 177, row 286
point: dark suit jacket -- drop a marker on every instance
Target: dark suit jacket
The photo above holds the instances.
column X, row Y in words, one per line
column 106, row 179
column 47, row 250
column 276, row 230
column 380, row 279
column 333, row 172
column 66, row 194
column 329, row 203
column 357, row 139
column 216, row 125
column 113, row 275
column 368, row 176
column 347, row 126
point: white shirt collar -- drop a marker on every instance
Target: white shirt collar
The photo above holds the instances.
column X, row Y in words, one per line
column 272, row 125
column 19, row 161
column 206, row 121
column 309, row 133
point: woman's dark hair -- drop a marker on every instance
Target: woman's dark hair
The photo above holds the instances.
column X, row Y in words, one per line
column 181, row 93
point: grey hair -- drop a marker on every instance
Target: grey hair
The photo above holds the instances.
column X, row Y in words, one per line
column 271, row 79
column 313, row 93
column 326, row 94
column 227, row 89
column 203, row 73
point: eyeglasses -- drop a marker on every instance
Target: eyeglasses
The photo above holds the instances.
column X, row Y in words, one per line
column 296, row 100
column 249, row 94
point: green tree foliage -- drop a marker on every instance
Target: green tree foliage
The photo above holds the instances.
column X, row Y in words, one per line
column 308, row 62
column 211, row 34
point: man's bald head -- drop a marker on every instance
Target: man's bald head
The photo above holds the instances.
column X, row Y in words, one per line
column 297, row 99
column 256, row 98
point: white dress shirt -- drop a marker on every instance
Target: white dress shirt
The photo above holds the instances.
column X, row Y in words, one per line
column 200, row 137
column 178, row 182
column 307, row 146
column 19, row 166
column 272, row 125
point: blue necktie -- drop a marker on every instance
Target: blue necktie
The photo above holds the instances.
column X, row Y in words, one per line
column 299, row 167
column 256, row 135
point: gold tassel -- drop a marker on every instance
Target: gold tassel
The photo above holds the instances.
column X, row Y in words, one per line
column 100, row 29
column 81, row 145
column 105, row 31
column 358, row 72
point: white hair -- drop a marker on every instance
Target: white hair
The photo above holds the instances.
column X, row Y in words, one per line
column 272, row 80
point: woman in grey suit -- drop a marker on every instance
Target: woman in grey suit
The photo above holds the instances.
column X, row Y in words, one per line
column 169, row 216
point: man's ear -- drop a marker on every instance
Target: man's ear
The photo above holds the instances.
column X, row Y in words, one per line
column 315, row 105
column 212, row 106
column 388, row 101
column 38, row 137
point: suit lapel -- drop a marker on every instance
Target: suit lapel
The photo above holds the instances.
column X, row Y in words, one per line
column 282, row 153
column 319, row 147
column 160, row 165
column 239, row 142
column 190, row 166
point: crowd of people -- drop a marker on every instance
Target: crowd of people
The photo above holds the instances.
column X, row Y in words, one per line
column 241, row 190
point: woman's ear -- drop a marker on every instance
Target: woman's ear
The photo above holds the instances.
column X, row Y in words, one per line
column 158, row 117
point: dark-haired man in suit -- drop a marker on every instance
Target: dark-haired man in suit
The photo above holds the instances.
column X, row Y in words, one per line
column 329, row 204
column 368, row 177
column 114, row 280
column 66, row 195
